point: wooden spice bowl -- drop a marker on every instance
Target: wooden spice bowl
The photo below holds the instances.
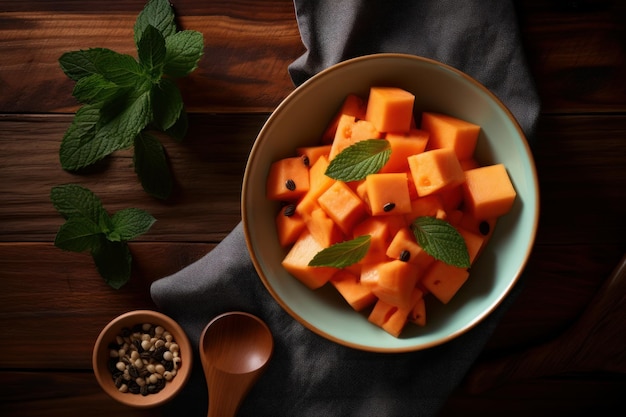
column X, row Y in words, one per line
column 132, row 322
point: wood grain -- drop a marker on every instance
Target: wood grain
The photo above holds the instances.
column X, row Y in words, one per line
column 248, row 47
column 577, row 54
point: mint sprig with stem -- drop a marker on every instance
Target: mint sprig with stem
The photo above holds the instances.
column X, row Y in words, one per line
column 124, row 98
column 89, row 227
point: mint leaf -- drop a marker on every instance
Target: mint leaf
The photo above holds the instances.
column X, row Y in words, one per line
column 179, row 130
column 184, row 50
column 113, row 261
column 76, row 149
column 359, row 160
column 167, row 103
column 72, row 200
column 151, row 52
column 441, row 241
column 157, row 13
column 119, row 129
column 95, row 88
column 343, row 254
column 88, row 227
column 121, row 69
column 131, row 222
column 92, row 137
column 77, row 234
column 79, row 64
column 151, row 166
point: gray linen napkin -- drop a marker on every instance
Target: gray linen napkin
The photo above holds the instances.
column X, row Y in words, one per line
column 308, row 375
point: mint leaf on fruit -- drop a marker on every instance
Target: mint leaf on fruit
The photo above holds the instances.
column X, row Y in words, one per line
column 89, row 227
column 441, row 241
column 124, row 96
column 359, row 160
column 343, row 254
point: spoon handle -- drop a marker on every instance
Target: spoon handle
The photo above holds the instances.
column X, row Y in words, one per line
column 227, row 392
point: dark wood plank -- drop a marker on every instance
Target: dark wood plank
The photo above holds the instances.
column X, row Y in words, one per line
column 564, row 396
column 58, row 393
column 45, row 289
column 208, row 168
column 576, row 52
column 581, row 164
column 247, row 50
column 249, row 47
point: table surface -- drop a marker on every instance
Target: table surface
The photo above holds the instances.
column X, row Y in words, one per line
column 571, row 303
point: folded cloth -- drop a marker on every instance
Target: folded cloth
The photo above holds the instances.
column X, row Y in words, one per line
column 309, row 375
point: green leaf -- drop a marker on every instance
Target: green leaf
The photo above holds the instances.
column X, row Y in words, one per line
column 343, row 254
column 359, row 160
column 118, row 130
column 157, row 13
column 441, row 241
column 95, row 88
column 79, row 64
column 121, row 69
column 167, row 103
column 179, row 130
column 151, row 51
column 113, row 261
column 77, row 150
column 131, row 222
column 152, row 167
column 77, row 234
column 184, row 50
column 72, row 200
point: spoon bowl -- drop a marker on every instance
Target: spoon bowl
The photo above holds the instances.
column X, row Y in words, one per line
column 235, row 349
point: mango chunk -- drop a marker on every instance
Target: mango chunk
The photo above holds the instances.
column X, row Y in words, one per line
column 296, row 262
column 450, row 132
column 488, row 191
column 435, row 170
column 388, row 194
column 390, row 109
column 288, row 179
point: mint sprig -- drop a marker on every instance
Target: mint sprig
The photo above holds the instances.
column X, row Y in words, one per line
column 89, row 227
column 441, row 241
column 343, row 254
column 359, row 160
column 123, row 97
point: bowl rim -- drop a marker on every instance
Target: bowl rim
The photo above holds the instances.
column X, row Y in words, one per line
column 486, row 312
column 140, row 317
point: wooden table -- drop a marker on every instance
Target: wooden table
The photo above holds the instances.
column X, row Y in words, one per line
column 53, row 303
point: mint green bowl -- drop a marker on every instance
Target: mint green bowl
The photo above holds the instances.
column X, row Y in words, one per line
column 300, row 120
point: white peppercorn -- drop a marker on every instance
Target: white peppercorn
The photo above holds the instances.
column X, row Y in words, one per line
column 143, row 358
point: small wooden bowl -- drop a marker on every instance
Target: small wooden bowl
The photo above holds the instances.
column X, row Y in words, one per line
column 101, row 357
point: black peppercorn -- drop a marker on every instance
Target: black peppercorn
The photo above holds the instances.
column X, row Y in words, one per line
column 389, row 206
column 290, row 210
column 484, row 228
column 290, row 184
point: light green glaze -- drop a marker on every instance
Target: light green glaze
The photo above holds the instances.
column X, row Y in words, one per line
column 301, row 119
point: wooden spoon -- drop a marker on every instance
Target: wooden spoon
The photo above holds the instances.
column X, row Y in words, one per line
column 235, row 349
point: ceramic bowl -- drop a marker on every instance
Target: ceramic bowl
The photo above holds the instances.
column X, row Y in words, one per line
column 300, row 120
column 132, row 320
